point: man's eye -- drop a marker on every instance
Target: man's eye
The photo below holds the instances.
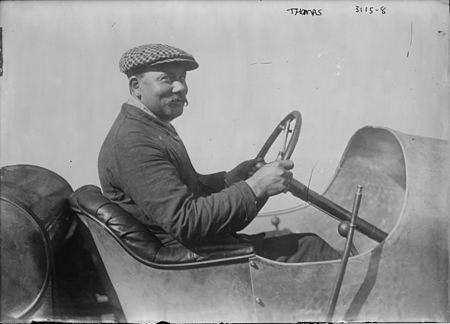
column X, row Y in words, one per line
column 172, row 78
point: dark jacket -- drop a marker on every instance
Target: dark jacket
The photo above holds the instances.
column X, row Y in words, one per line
column 144, row 167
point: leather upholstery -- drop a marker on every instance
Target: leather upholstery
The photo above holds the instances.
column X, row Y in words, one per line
column 136, row 238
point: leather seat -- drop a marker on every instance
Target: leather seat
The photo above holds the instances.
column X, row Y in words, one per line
column 136, row 239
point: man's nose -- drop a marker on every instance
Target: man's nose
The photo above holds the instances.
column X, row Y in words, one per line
column 179, row 87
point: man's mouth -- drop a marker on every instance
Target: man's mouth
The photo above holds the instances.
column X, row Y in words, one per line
column 177, row 102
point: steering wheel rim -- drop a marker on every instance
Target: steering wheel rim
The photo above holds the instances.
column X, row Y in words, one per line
column 288, row 149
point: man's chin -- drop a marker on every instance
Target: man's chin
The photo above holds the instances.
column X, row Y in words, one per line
column 175, row 111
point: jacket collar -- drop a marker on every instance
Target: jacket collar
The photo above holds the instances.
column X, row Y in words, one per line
column 138, row 113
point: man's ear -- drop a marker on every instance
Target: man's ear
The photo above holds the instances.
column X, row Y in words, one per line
column 135, row 89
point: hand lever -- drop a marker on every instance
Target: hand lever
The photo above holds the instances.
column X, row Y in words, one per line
column 346, row 255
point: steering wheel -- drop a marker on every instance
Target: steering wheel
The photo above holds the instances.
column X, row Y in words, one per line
column 284, row 127
column 303, row 192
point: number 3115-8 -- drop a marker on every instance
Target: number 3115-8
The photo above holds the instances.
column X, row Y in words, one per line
column 370, row 10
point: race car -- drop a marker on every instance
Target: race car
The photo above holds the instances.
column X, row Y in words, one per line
column 386, row 209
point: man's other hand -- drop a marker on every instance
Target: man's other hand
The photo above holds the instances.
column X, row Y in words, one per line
column 243, row 170
column 271, row 179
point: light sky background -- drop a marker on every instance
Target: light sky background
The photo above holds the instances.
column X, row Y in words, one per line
column 62, row 89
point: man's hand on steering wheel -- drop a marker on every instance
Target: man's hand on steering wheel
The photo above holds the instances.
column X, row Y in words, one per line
column 271, row 179
column 243, row 170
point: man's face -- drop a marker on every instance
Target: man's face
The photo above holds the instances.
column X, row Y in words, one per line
column 163, row 91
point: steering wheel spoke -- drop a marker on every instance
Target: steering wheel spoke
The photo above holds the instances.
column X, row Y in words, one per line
column 289, row 136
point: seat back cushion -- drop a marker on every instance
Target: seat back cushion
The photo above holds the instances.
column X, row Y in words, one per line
column 137, row 239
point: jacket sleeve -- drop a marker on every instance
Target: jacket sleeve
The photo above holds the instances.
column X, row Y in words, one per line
column 152, row 181
column 211, row 183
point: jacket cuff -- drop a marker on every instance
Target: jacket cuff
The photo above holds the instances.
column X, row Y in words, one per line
column 249, row 201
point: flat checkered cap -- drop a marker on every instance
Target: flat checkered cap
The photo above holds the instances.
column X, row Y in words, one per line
column 139, row 58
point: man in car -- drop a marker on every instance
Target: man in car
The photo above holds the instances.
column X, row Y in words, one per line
column 145, row 168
